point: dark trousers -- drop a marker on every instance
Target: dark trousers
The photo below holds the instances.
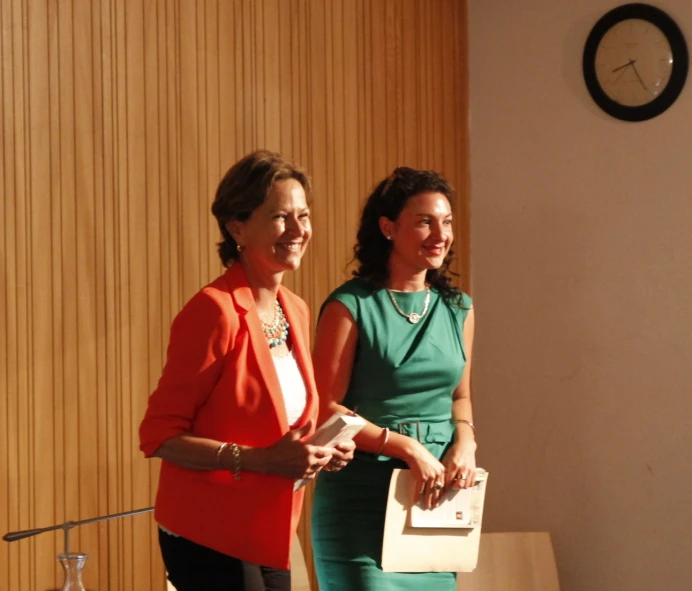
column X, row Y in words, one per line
column 192, row 567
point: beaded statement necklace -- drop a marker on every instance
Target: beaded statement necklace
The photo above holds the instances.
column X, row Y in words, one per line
column 276, row 331
column 413, row 317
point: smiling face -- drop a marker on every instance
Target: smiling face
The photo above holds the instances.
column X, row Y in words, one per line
column 422, row 234
column 273, row 239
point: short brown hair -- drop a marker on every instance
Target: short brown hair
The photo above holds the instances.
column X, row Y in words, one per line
column 244, row 188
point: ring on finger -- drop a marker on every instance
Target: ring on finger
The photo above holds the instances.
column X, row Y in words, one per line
column 437, row 485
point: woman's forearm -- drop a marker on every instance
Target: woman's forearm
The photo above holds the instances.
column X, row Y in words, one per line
column 200, row 453
column 371, row 438
column 462, row 411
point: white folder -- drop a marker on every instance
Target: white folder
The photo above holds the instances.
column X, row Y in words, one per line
column 411, row 549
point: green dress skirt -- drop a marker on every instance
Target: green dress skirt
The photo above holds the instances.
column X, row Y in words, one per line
column 403, row 378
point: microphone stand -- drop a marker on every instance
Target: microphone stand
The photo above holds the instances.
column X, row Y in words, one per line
column 66, row 527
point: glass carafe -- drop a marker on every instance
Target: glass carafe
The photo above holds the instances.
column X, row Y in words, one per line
column 73, row 563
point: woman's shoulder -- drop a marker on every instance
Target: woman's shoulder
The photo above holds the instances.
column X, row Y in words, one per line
column 354, row 288
column 218, row 293
column 465, row 301
column 455, row 298
column 353, row 294
column 460, row 304
column 210, row 306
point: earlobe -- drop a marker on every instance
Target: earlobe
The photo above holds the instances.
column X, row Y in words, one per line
column 234, row 228
column 386, row 227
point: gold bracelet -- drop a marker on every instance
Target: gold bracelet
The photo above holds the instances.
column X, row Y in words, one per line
column 235, row 454
column 385, row 430
column 219, row 452
column 469, row 423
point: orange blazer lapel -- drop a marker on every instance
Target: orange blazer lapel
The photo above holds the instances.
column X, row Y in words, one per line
column 245, row 302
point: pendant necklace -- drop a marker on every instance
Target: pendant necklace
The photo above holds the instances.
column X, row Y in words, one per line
column 413, row 317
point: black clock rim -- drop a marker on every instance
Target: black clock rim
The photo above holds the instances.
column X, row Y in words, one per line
column 678, row 74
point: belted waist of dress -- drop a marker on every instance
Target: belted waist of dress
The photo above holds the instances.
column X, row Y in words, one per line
column 425, row 431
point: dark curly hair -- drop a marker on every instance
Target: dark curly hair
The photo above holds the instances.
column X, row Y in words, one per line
column 244, row 188
column 372, row 249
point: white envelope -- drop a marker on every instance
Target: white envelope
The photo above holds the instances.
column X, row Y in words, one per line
column 429, row 549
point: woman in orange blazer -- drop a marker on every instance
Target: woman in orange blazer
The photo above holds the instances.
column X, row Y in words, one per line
column 237, row 396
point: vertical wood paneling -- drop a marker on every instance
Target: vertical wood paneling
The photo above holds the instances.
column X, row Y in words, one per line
column 118, row 119
column 40, row 362
column 8, row 333
column 7, row 464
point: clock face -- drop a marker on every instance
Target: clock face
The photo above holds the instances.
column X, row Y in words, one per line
column 634, row 61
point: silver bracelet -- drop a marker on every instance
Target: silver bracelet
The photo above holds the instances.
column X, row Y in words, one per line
column 385, row 430
column 469, row 423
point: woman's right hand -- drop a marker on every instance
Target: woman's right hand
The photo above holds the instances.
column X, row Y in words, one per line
column 290, row 457
column 429, row 475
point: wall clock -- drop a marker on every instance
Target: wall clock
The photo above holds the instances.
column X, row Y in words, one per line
column 635, row 62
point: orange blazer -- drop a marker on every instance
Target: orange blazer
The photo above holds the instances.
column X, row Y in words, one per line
column 219, row 381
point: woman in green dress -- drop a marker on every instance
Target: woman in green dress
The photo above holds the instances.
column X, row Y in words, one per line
column 394, row 345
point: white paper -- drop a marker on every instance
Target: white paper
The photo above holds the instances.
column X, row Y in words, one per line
column 337, row 429
column 453, row 511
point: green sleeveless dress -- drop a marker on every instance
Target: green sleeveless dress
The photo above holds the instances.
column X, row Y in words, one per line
column 403, row 378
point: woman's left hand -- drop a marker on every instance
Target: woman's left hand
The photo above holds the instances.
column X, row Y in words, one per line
column 460, row 464
column 343, row 455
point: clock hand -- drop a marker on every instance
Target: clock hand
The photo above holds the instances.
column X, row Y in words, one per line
column 629, row 63
column 639, row 77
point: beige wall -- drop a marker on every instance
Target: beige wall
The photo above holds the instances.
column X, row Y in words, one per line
column 118, row 119
column 582, row 275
